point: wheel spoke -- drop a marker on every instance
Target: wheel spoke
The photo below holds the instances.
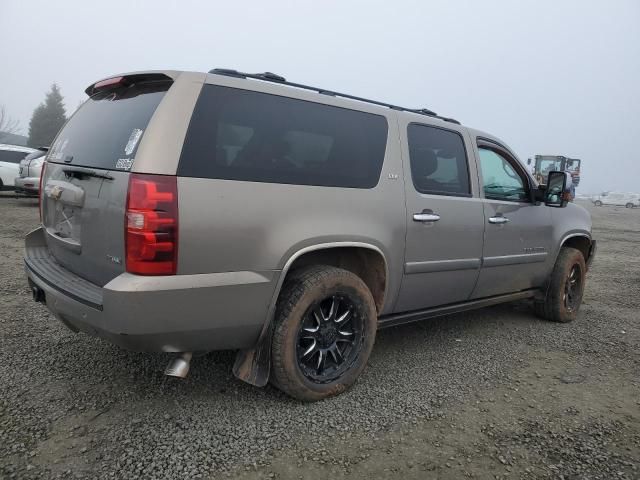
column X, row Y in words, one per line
column 310, row 349
column 336, row 354
column 345, row 333
column 346, row 316
column 317, row 310
column 332, row 309
column 320, row 364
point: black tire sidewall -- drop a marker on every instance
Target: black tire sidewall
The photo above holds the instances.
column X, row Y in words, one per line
column 567, row 259
column 307, row 288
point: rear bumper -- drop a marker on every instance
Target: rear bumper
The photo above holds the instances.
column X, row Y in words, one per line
column 28, row 185
column 178, row 313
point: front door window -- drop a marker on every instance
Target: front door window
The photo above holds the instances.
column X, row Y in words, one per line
column 501, row 181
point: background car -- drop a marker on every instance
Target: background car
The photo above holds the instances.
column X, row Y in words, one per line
column 10, row 158
column 28, row 181
column 628, row 200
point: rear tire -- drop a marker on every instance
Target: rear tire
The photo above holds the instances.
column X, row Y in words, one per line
column 629, row 205
column 325, row 328
column 565, row 288
column 598, row 203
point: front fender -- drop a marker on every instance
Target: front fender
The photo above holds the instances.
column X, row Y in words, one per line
column 570, row 222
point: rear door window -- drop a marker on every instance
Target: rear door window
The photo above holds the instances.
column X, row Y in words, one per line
column 438, row 161
column 105, row 132
column 245, row 135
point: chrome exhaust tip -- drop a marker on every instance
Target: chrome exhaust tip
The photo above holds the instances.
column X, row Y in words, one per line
column 179, row 366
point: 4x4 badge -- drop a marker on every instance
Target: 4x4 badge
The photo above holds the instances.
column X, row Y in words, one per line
column 393, row 176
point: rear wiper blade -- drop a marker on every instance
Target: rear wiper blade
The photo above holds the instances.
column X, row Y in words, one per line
column 80, row 172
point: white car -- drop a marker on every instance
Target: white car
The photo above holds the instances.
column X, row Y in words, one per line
column 30, row 170
column 628, row 200
column 10, row 157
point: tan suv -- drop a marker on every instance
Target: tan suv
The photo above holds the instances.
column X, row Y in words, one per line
column 186, row 212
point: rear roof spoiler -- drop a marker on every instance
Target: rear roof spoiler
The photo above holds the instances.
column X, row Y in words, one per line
column 130, row 79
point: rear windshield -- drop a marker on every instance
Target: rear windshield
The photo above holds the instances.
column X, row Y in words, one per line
column 106, row 130
column 244, row 135
column 12, row 156
column 34, row 155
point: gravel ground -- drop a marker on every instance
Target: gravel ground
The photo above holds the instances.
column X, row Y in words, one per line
column 495, row 393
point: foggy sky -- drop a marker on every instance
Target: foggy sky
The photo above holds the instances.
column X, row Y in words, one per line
column 548, row 77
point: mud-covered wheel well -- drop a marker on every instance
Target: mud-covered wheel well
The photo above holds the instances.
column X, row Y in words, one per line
column 580, row 243
column 366, row 263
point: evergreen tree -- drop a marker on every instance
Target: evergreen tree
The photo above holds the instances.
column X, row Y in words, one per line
column 47, row 119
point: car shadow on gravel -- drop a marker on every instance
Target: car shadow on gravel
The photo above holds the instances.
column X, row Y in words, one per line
column 410, row 345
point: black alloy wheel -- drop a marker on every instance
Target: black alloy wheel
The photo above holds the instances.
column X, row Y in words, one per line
column 573, row 288
column 329, row 338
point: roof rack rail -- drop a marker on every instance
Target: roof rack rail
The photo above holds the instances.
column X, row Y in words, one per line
column 272, row 77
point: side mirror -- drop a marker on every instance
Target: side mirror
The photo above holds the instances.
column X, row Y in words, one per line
column 558, row 192
column 528, row 161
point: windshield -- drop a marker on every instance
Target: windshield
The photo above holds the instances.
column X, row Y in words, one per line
column 573, row 164
column 106, row 130
column 547, row 166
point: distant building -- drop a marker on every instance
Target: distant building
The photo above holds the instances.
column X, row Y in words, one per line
column 13, row 139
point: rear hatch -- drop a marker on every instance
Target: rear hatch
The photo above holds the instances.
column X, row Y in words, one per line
column 85, row 182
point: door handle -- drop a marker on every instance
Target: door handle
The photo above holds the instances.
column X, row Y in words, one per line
column 426, row 217
column 498, row 219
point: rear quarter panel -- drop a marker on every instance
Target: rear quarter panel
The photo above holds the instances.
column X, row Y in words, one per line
column 161, row 144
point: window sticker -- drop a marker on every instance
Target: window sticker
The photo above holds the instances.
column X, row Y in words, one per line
column 124, row 164
column 136, row 133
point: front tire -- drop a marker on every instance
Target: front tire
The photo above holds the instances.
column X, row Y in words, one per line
column 324, row 331
column 565, row 287
column 598, row 203
column 629, row 205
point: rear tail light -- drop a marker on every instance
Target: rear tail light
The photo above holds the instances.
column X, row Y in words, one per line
column 40, row 192
column 151, row 225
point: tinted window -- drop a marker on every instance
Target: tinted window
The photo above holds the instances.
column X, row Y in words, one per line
column 108, row 127
column 11, row 156
column 500, row 179
column 438, row 161
column 243, row 135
